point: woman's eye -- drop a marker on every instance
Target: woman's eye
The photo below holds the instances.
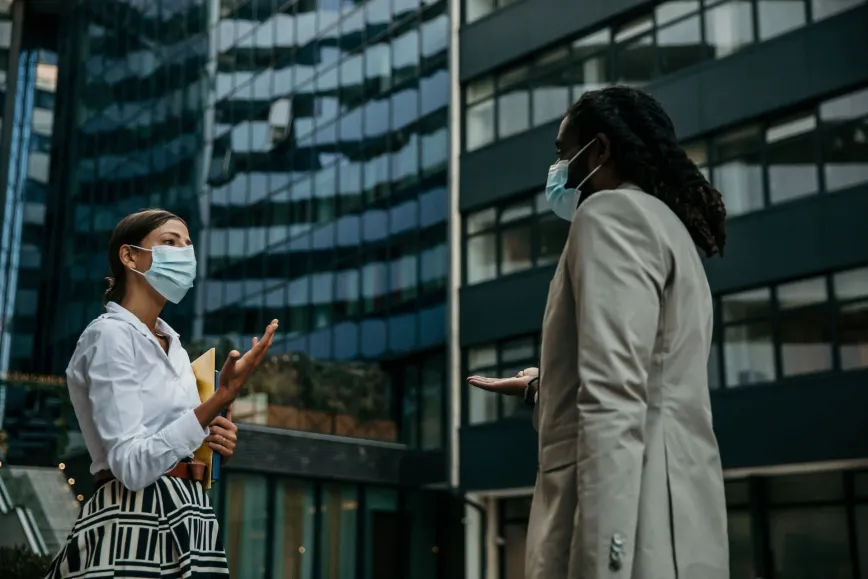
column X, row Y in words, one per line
column 169, row 242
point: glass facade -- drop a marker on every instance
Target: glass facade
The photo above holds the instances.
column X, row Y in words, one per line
column 813, row 150
column 807, row 326
column 304, row 529
column 789, row 527
column 29, row 69
column 305, row 143
column 672, row 35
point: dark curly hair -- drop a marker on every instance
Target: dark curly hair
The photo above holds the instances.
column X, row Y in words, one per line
column 645, row 151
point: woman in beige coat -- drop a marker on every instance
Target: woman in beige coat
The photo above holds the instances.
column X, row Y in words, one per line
column 630, row 482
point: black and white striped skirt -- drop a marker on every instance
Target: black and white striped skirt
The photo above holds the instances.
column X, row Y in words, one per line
column 167, row 529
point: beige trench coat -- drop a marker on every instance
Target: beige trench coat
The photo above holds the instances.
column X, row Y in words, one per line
column 629, row 483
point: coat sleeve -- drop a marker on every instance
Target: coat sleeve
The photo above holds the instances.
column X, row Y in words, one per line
column 617, row 270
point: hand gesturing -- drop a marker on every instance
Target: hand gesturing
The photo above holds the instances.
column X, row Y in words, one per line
column 238, row 368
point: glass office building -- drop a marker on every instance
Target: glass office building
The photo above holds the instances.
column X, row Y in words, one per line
column 770, row 105
column 306, row 145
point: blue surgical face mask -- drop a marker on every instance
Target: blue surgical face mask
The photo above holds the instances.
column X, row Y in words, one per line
column 562, row 201
column 172, row 272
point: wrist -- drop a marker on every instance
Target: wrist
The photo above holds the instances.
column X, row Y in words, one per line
column 224, row 396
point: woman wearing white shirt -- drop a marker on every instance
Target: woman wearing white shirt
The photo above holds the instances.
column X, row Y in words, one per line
column 136, row 400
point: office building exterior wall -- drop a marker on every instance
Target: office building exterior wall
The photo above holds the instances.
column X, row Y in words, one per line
column 305, row 144
column 768, row 103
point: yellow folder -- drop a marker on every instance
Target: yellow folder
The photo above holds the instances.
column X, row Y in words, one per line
column 205, row 370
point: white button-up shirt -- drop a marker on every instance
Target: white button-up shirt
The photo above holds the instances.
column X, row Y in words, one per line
column 134, row 402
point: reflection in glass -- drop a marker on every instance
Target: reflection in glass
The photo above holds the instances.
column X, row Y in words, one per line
column 852, row 284
column 680, row 45
column 383, row 528
column 792, row 159
column 339, row 516
column 738, row 171
column 513, row 103
column 245, row 525
column 802, row 293
column 844, row 134
column 852, row 320
column 481, row 258
column 635, row 62
column 729, row 27
column 476, row 9
column 293, row 537
column 480, row 124
column 746, row 305
column 741, row 555
column 810, row 542
column 551, row 87
column 748, row 354
column 515, row 249
column 777, row 17
column 806, row 342
column 821, row 9
column 433, row 387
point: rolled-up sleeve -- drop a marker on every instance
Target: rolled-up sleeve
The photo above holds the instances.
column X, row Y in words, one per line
column 135, row 458
column 618, row 271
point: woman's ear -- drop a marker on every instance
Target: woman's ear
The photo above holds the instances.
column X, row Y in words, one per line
column 125, row 254
column 604, row 149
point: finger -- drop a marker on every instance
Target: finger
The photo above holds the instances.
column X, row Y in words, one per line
column 222, row 434
column 222, row 422
column 220, row 440
column 221, row 450
column 231, row 359
column 266, row 341
column 254, row 342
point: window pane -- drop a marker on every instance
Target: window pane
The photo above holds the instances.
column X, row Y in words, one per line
column 432, row 404
column 845, row 132
column 520, row 350
column 553, row 233
column 674, row 9
column 737, row 493
column 749, row 304
column 339, row 511
column 481, row 258
column 478, row 90
column 635, row 61
column 779, row 16
column 551, row 93
column 293, row 529
column 475, row 9
column 810, row 542
column 382, row 533
column 515, row 542
column 738, row 170
column 851, row 284
column 482, row 357
column 697, row 152
column 480, row 124
column 482, row 406
column 792, row 159
column 802, row 293
column 860, row 487
column 806, row 343
column 853, row 335
column 515, row 249
column 714, row 366
column 824, row 8
column 513, row 109
column 729, row 27
column 591, row 73
column 748, row 354
column 678, row 45
column 862, row 538
column 741, row 555
column 516, row 212
column 806, row 488
column 481, row 220
column 244, row 524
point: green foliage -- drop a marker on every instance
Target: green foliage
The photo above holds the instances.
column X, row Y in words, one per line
column 21, row 563
column 356, row 389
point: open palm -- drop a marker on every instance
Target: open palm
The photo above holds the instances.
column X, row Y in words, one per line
column 238, row 368
column 513, row 386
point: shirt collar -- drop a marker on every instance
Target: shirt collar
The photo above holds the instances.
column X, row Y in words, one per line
column 118, row 312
